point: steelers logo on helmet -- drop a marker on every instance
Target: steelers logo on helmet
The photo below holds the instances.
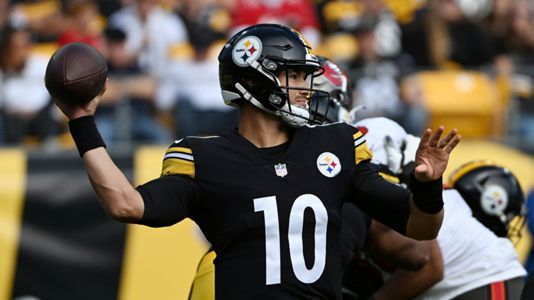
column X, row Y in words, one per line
column 494, row 200
column 328, row 164
column 246, row 51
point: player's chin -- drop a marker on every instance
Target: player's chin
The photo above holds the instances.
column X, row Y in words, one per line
column 303, row 105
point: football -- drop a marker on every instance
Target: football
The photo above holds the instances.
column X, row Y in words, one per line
column 76, row 73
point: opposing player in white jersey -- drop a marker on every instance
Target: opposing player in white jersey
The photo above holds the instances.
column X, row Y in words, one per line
column 479, row 263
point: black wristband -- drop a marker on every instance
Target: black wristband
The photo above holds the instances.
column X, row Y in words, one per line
column 427, row 196
column 85, row 134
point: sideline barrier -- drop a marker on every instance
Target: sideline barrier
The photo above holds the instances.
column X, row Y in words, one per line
column 57, row 243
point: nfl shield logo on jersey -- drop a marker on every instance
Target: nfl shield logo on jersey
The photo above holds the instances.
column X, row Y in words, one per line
column 280, row 169
column 328, row 164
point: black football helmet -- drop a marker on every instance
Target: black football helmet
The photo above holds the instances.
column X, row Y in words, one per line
column 333, row 106
column 494, row 195
column 252, row 60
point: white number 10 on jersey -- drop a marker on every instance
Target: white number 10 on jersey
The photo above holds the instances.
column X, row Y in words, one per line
column 296, row 222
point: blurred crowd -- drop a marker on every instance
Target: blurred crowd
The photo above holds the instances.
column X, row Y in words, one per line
column 163, row 70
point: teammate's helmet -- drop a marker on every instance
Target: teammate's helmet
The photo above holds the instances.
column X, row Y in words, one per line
column 494, row 195
column 334, row 106
column 252, row 60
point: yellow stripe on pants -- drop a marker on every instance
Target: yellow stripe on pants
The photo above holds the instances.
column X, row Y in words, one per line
column 158, row 263
column 12, row 190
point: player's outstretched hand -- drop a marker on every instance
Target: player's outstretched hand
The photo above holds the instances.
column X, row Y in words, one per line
column 432, row 155
column 73, row 111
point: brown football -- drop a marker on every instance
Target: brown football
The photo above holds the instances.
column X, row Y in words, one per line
column 76, row 73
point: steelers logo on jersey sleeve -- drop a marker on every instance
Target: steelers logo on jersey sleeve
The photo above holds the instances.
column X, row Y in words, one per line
column 328, row 164
column 246, row 51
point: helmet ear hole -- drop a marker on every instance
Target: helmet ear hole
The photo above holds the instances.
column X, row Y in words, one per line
column 278, row 99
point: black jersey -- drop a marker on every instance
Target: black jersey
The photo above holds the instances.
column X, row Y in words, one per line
column 273, row 220
column 353, row 235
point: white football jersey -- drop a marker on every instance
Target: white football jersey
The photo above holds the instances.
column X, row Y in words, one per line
column 473, row 255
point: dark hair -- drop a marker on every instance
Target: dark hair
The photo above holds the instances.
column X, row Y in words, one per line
column 114, row 35
column 367, row 24
column 6, row 35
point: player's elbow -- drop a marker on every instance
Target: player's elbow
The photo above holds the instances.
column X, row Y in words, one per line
column 125, row 209
column 417, row 262
column 415, row 257
column 123, row 214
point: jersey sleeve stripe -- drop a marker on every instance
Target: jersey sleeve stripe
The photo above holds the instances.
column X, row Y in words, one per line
column 359, row 140
column 362, row 152
column 178, row 167
column 187, row 157
column 180, row 149
column 179, row 161
column 357, row 135
column 390, row 178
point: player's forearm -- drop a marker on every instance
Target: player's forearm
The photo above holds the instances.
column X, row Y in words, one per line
column 397, row 249
column 421, row 225
column 117, row 196
column 403, row 284
column 426, row 209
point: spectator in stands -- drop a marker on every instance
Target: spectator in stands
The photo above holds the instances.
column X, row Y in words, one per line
column 498, row 24
column 153, row 34
column 82, row 24
column 510, row 26
column 386, row 29
column 380, row 83
column 126, row 113
column 521, row 40
column 441, row 37
column 44, row 19
column 198, row 112
column 24, row 100
column 298, row 14
column 157, row 39
column 207, row 22
column 4, row 12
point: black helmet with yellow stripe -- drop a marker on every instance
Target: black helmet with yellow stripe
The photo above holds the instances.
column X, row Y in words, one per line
column 494, row 195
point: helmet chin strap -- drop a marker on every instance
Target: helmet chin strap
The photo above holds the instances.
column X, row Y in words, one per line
column 294, row 116
column 248, row 96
